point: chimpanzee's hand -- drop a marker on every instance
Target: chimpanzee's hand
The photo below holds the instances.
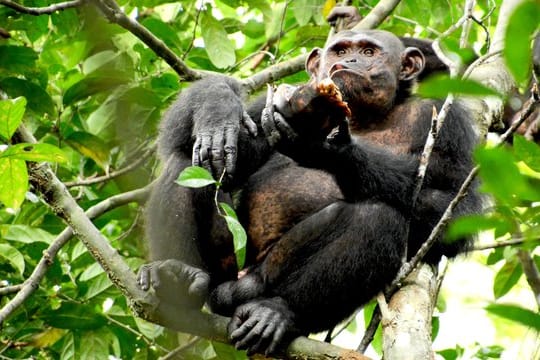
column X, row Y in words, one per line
column 262, row 326
column 175, row 281
column 218, row 115
column 349, row 16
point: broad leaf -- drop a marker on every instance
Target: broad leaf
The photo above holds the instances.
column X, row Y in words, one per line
column 38, row 99
column 506, row 278
column 34, row 152
column 13, row 182
column 523, row 23
column 440, row 86
column 11, row 114
column 72, row 315
column 195, row 177
column 218, row 46
column 527, row 151
column 13, row 257
column 91, row 146
column 515, row 313
column 238, row 232
column 25, row 234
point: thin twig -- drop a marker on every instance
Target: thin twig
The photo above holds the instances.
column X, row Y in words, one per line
column 6, row 290
column 36, row 11
column 505, row 243
column 173, row 353
column 99, row 179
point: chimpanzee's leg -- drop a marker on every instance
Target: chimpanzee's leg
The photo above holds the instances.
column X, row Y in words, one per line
column 316, row 274
column 190, row 246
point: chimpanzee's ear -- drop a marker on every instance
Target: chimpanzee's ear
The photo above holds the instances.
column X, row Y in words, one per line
column 312, row 62
column 412, row 63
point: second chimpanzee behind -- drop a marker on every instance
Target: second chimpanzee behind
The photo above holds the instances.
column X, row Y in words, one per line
column 327, row 216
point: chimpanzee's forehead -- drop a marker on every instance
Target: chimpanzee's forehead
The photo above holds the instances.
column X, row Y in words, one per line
column 379, row 37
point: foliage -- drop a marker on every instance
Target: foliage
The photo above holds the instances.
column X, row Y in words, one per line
column 92, row 94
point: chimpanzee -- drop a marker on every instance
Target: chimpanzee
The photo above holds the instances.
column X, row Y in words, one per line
column 322, row 180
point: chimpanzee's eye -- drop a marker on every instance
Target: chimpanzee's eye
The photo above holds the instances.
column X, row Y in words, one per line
column 368, row 52
column 340, row 52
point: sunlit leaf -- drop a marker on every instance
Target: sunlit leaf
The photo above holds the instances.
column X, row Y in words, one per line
column 11, row 114
column 13, row 182
column 473, row 224
column 218, row 46
column 517, row 51
column 506, row 278
column 303, row 10
column 439, row 86
column 13, row 257
column 516, row 313
column 501, row 176
column 148, row 329
column 527, row 151
column 25, row 234
column 195, row 177
column 34, row 152
column 93, row 84
column 238, row 232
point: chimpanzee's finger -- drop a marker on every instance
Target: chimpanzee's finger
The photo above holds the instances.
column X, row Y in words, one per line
column 284, row 128
column 205, row 153
column 230, row 147
column 249, row 124
column 196, row 158
column 143, row 277
column 217, row 153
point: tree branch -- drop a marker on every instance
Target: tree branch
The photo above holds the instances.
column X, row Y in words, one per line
column 112, row 11
column 90, row 181
column 531, row 273
column 275, row 72
column 377, row 15
column 31, row 284
column 36, row 11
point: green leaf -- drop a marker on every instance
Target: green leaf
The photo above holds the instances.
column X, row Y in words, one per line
column 97, row 285
column 25, row 234
column 12, row 256
column 95, row 345
column 238, row 232
column 13, row 182
column 93, row 84
column 303, row 10
column 73, row 316
column 515, row 313
column 473, row 224
column 91, row 272
column 38, row 99
column 228, row 352
column 218, row 46
column 17, row 59
column 439, row 86
column 34, row 152
column 195, row 177
column 501, row 176
column 11, row 114
column 91, row 146
column 148, row 329
column 517, row 51
column 506, row 278
column 527, row 151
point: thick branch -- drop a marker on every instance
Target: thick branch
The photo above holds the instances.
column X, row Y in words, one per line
column 377, row 15
column 36, row 11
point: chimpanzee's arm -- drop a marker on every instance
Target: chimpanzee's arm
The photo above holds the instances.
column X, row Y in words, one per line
column 209, row 123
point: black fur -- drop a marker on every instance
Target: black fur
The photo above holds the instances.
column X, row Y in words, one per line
column 336, row 250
